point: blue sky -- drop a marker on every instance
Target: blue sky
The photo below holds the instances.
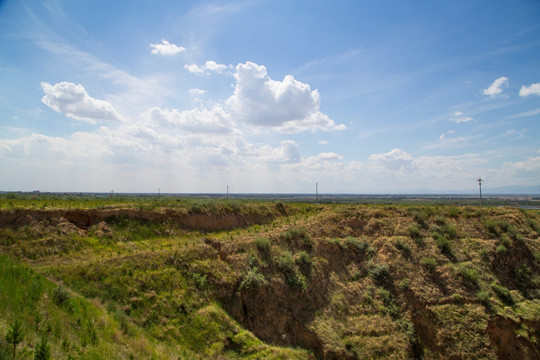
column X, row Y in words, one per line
column 269, row 96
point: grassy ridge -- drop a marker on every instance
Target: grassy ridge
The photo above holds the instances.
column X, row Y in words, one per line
column 339, row 281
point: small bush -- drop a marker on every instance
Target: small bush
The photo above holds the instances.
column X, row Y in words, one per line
column 200, row 280
column 444, row 245
column 522, row 274
column 404, row 284
column 264, row 246
column 298, row 236
column 503, row 293
column 60, row 295
column 420, row 216
column 535, row 225
column 360, row 246
column 501, row 250
column 285, row 261
column 470, row 275
column 415, row 234
column 483, row 296
column 43, row 350
column 304, row 262
column 253, row 260
column 252, row 279
column 15, row 335
column 380, row 273
column 297, row 281
column 429, row 263
column 404, row 248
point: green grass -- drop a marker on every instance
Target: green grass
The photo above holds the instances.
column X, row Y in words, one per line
column 313, row 274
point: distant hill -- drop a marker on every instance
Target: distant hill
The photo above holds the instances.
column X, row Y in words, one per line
column 514, row 189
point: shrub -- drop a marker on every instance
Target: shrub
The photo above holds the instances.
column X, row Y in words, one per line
column 297, row 281
column 264, row 246
column 298, row 236
column 253, row 260
column 470, row 275
column 404, row 248
column 535, row 225
column 483, row 296
column 380, row 273
column 200, row 280
column 501, row 250
column 389, row 302
column 503, row 293
column 421, row 217
column 522, row 274
column 444, row 245
column 60, row 295
column 15, row 335
column 404, row 284
column 429, row 263
column 415, row 234
column 304, row 262
column 252, row 279
column 43, row 350
column 285, row 261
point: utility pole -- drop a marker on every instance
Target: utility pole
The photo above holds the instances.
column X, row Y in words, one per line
column 227, row 192
column 317, row 192
column 480, row 187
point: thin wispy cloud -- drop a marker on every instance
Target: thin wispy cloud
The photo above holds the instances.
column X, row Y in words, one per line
column 497, row 86
column 460, row 117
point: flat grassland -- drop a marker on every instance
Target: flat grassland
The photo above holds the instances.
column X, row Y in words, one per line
column 186, row 278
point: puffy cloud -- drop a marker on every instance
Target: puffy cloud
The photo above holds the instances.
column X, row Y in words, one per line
column 288, row 106
column 202, row 120
column 497, row 86
column 526, row 168
column 287, row 153
column 73, row 101
column 459, row 117
column 533, row 89
column 209, row 67
column 393, row 160
column 325, row 160
column 166, row 48
column 323, row 142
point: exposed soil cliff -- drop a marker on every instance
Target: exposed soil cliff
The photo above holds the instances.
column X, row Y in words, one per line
column 83, row 219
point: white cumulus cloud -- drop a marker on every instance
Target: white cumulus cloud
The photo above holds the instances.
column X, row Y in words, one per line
column 459, row 117
column 497, row 86
column 166, row 48
column 73, row 101
column 533, row 89
column 394, row 159
column 209, row 67
column 288, row 106
column 198, row 120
